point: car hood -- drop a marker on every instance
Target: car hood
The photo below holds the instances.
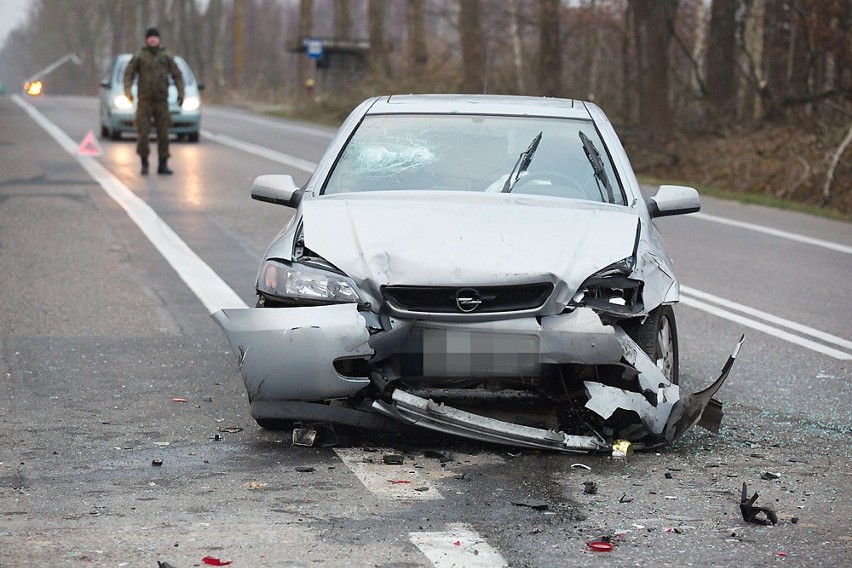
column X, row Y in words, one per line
column 433, row 239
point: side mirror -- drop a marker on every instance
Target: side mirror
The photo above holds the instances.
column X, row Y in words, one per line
column 277, row 189
column 200, row 86
column 104, row 83
column 674, row 200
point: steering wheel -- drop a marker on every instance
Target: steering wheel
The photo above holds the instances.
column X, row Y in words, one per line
column 559, row 182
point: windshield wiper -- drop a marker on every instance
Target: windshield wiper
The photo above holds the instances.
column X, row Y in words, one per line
column 597, row 165
column 522, row 164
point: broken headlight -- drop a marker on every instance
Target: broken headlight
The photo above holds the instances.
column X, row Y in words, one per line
column 296, row 283
column 610, row 291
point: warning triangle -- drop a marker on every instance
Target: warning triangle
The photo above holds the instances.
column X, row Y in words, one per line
column 89, row 146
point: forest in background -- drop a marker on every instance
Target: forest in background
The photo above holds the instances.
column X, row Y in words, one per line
column 748, row 96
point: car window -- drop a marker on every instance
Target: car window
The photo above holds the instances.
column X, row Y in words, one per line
column 188, row 76
column 474, row 153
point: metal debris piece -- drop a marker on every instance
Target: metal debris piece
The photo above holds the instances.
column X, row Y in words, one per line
column 304, row 436
column 537, row 505
column 590, row 487
column 751, row 513
column 156, row 462
column 770, row 475
column 621, row 449
column 393, row 459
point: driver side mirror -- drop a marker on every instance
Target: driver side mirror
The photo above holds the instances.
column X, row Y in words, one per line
column 277, row 189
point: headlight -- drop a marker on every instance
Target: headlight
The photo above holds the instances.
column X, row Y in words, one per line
column 122, row 103
column 611, row 291
column 299, row 283
column 191, row 103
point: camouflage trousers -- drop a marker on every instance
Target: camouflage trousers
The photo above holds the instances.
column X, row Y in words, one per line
column 156, row 112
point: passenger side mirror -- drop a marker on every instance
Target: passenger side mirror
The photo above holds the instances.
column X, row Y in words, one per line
column 674, row 200
column 277, row 189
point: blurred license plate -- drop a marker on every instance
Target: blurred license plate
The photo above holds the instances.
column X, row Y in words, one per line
column 468, row 353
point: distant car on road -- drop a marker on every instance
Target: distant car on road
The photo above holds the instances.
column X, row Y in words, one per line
column 117, row 114
column 485, row 266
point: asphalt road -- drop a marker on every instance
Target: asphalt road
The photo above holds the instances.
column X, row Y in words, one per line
column 110, row 361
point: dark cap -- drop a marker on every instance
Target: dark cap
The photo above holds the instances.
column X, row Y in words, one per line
column 152, row 32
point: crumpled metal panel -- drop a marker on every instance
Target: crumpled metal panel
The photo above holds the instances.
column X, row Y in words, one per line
column 378, row 241
column 287, row 353
column 440, row 417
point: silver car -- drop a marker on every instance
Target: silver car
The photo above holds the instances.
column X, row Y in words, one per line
column 118, row 114
column 485, row 266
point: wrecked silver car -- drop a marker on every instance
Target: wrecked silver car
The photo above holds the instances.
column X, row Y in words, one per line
column 485, row 266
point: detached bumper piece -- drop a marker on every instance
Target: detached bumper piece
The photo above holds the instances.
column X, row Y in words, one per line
column 427, row 413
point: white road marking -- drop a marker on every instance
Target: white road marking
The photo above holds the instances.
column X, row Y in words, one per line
column 773, row 331
column 774, row 232
column 250, row 148
column 389, row 481
column 803, row 329
column 459, row 546
column 198, row 276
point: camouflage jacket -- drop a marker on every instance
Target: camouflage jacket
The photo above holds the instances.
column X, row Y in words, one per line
column 153, row 65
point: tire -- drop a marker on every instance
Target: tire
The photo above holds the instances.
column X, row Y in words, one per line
column 115, row 135
column 193, row 136
column 658, row 338
column 104, row 131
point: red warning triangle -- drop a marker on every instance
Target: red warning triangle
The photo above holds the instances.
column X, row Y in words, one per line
column 89, row 146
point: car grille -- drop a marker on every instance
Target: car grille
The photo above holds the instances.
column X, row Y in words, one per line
column 444, row 299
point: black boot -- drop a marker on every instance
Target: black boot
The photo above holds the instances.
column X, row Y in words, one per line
column 163, row 168
column 144, row 165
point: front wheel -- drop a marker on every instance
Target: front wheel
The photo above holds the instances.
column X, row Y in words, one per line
column 657, row 337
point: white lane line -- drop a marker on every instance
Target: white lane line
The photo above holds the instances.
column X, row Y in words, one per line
column 459, row 546
column 774, row 232
column 401, row 482
column 775, row 332
column 279, row 157
column 803, row 329
column 201, row 279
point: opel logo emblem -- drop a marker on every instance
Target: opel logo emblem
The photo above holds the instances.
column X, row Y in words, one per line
column 467, row 299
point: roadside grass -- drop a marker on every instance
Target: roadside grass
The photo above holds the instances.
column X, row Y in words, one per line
column 754, row 199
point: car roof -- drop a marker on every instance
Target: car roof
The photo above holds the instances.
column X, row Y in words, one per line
column 479, row 104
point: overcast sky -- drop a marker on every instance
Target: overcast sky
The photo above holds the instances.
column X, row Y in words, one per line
column 13, row 13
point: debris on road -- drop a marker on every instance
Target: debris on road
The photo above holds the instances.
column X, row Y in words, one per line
column 439, row 455
column 212, row 561
column 255, row 485
column 156, row 462
column 536, row 505
column 393, row 459
column 751, row 513
column 600, row 545
column 621, row 449
column 770, row 475
column 590, row 487
column 304, row 469
column 580, row 466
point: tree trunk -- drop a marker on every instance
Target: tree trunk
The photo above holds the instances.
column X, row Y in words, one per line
column 306, row 28
column 721, row 79
column 417, row 51
column 379, row 59
column 342, row 19
column 549, row 52
column 473, row 52
column 517, row 52
column 653, row 31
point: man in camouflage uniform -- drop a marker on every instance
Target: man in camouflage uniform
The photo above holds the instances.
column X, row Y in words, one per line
column 153, row 64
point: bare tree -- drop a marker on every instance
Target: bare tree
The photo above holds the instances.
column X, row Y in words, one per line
column 472, row 47
column 417, row 50
column 549, row 48
column 653, row 32
column 721, row 60
column 378, row 56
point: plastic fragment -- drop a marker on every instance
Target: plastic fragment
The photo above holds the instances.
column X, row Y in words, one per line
column 770, row 475
column 212, row 561
column 751, row 513
column 600, row 546
column 178, row 399
column 304, row 469
column 399, row 481
column 393, row 459
column 621, row 449
column 156, row 462
column 590, row 487
column 580, row 466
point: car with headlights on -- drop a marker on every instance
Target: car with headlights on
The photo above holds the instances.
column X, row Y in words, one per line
column 485, row 266
column 118, row 114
